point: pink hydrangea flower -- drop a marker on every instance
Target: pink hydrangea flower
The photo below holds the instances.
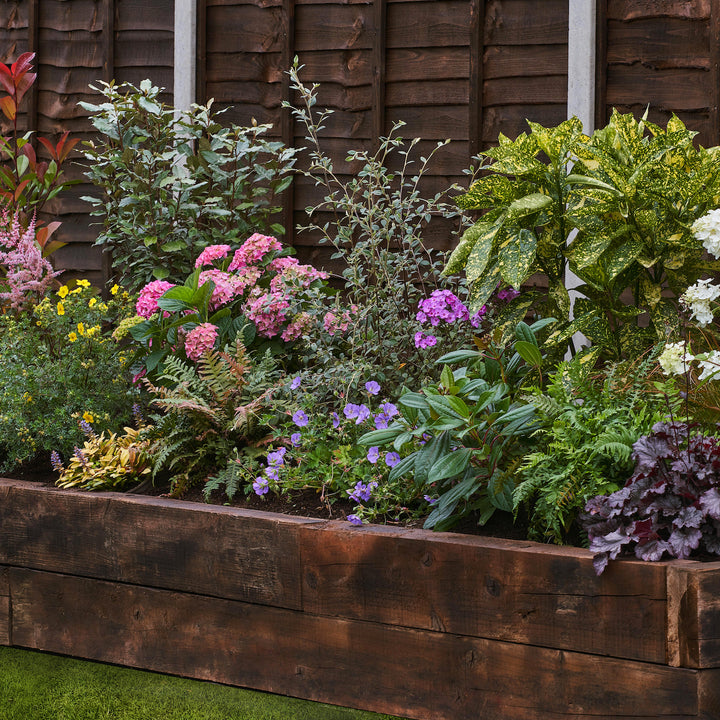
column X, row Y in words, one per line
column 297, row 326
column 279, row 264
column 226, row 289
column 211, row 253
column 147, row 301
column 200, row 339
column 254, row 249
column 334, row 323
column 267, row 311
column 295, row 276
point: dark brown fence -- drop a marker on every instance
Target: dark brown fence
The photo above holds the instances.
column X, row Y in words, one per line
column 463, row 70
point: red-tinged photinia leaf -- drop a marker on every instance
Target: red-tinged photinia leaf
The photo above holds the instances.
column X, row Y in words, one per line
column 29, row 152
column 40, row 170
column 6, row 79
column 8, row 107
column 19, row 189
column 23, row 84
column 22, row 64
column 64, row 146
column 49, row 147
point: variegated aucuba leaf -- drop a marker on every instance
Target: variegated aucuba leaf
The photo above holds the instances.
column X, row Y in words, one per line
column 597, row 329
column 559, row 295
column 635, row 340
column 562, row 334
column 488, row 191
column 516, row 254
column 629, row 134
column 621, row 258
column 557, row 142
column 651, row 292
column 458, row 258
column 588, row 247
column 665, row 319
column 483, row 288
column 532, row 203
column 595, row 183
column 506, row 321
column 481, row 252
column 672, row 262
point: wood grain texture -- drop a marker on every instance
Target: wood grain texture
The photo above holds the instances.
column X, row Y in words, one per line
column 239, row 555
column 519, row 22
column 5, row 633
column 634, row 9
column 673, row 89
column 412, row 673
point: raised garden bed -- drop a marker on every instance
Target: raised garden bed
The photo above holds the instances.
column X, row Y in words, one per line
column 403, row 621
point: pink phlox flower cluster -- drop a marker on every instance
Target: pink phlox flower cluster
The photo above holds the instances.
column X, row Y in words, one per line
column 476, row 319
column 200, row 339
column 212, row 253
column 267, row 311
column 146, row 304
column 227, row 286
column 297, row 327
column 507, row 294
column 423, row 341
column 336, row 323
column 253, row 250
column 28, row 274
column 441, row 305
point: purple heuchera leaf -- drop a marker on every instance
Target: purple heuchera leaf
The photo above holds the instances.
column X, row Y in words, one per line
column 689, row 517
column 683, row 541
column 710, row 503
column 652, row 550
column 612, row 543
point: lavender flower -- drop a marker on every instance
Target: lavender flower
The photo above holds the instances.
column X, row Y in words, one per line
column 359, row 412
column 276, row 458
column 86, row 427
column 336, row 419
column 389, row 409
column 137, row 414
column 295, row 439
column 80, row 455
column 362, row 493
column 56, row 462
column 295, row 384
column 430, row 500
column 381, row 421
column 354, row 520
column 373, row 454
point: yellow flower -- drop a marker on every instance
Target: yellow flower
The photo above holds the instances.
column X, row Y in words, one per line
column 81, row 328
column 92, row 302
column 83, row 283
column 114, row 289
column 60, row 309
column 72, row 337
column 87, row 417
column 91, row 331
column 63, row 291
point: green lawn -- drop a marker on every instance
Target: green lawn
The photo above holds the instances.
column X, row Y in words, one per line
column 38, row 686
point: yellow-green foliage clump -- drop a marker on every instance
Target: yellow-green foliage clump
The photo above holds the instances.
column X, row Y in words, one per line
column 106, row 462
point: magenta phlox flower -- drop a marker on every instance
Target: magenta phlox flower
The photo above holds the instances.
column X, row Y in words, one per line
column 476, row 319
column 212, row 253
column 372, row 387
column 441, row 305
column 354, row 520
column 253, row 250
column 300, row 418
column 373, row 454
column 507, row 294
column 200, row 339
column 146, row 304
column 392, row 459
column 423, row 341
column 261, row 486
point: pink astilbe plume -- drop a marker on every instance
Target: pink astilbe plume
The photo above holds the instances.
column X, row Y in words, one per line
column 28, row 275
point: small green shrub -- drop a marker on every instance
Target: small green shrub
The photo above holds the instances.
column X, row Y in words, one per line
column 172, row 182
column 58, row 364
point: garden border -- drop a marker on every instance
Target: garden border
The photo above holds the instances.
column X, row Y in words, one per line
column 403, row 621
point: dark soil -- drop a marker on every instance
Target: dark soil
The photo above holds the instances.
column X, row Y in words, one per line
column 306, row 504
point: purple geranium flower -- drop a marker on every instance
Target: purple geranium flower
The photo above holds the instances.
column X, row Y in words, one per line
column 381, row 421
column 295, row 384
column 295, row 439
column 300, row 418
column 354, row 520
column 336, row 419
column 372, row 387
column 260, row 486
column 373, row 454
column 392, row 459
column 389, row 409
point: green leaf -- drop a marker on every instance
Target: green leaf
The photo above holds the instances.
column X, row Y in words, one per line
column 450, row 465
column 459, row 355
column 528, row 205
column 483, row 288
column 434, row 449
column 414, row 400
column 173, row 246
column 528, row 352
column 160, row 273
column 405, row 466
column 379, row 437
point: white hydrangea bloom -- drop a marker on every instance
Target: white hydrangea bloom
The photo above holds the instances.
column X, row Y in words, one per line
column 698, row 298
column 675, row 359
column 710, row 364
column 707, row 230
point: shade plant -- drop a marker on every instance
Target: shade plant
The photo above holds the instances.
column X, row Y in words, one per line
column 617, row 207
